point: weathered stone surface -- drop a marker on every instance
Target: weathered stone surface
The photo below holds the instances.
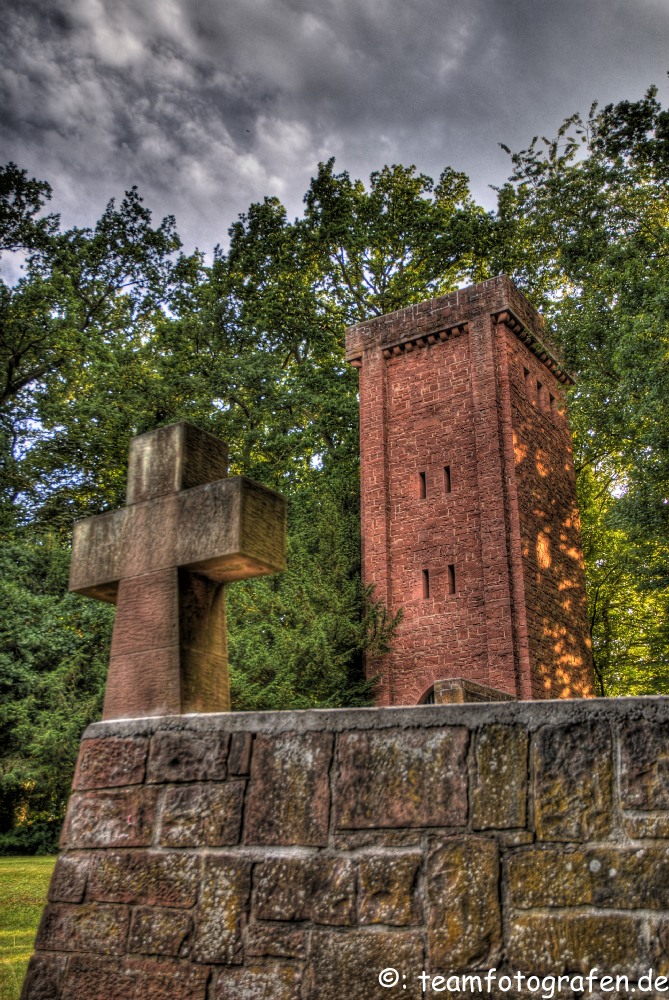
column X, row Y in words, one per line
column 111, row 762
column 90, row 978
column 231, row 529
column 224, row 898
column 102, row 930
column 288, row 801
column 661, row 947
column 239, row 755
column 414, row 778
column 203, row 814
column 578, row 942
column 464, row 920
column 653, row 826
column 160, row 931
column 351, row 840
column 257, row 982
column 318, row 889
column 625, row 879
column 122, row 818
column 184, row 756
column 44, row 977
column 499, row 796
column 68, row 882
column 573, row 770
column 644, row 765
column 275, row 940
column 173, row 458
column 388, row 889
column 348, row 965
column 150, row 878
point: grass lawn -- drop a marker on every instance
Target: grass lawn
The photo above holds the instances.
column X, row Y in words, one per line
column 23, row 887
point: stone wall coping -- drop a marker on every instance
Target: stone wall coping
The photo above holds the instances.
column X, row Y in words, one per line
column 531, row 714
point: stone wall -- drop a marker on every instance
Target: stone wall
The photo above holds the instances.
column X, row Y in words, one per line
column 293, row 856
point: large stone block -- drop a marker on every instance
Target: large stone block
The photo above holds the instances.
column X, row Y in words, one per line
column 122, row 818
column 105, row 763
column 44, row 978
column 160, row 931
column 259, row 982
column 163, row 878
column 202, row 815
column 388, row 890
column 288, row 801
column 182, row 756
column 573, row 772
column 578, row 942
column 221, row 916
column 406, row 778
column 348, row 965
column 644, row 765
column 615, row 878
column 318, row 889
column 464, row 918
column 90, row 978
column 68, row 882
column 499, row 797
column 227, row 530
column 239, row 754
column 102, row 930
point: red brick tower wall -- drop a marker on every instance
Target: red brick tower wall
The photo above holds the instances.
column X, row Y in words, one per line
column 469, row 519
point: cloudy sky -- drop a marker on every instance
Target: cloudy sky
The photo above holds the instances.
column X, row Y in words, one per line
column 208, row 105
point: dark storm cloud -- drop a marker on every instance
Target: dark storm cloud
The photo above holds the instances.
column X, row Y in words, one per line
column 207, row 105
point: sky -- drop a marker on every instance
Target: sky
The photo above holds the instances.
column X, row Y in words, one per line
column 209, row 105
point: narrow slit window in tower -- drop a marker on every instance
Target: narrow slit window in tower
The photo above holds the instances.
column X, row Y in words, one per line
column 422, row 486
column 451, row 579
column 447, row 478
column 426, row 583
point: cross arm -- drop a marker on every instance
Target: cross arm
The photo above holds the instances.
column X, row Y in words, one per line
column 231, row 529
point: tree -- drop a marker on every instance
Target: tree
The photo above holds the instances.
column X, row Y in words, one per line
column 73, row 336
column 402, row 240
column 53, row 661
column 21, row 199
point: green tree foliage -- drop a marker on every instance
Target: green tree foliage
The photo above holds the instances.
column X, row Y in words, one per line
column 21, row 201
column 75, row 339
column 53, row 661
column 402, row 240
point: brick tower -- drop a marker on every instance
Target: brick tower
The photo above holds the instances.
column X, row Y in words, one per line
column 469, row 516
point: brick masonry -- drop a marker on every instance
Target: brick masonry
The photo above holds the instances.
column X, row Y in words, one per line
column 469, row 516
column 295, row 855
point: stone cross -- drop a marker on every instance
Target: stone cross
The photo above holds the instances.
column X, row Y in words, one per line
column 164, row 560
